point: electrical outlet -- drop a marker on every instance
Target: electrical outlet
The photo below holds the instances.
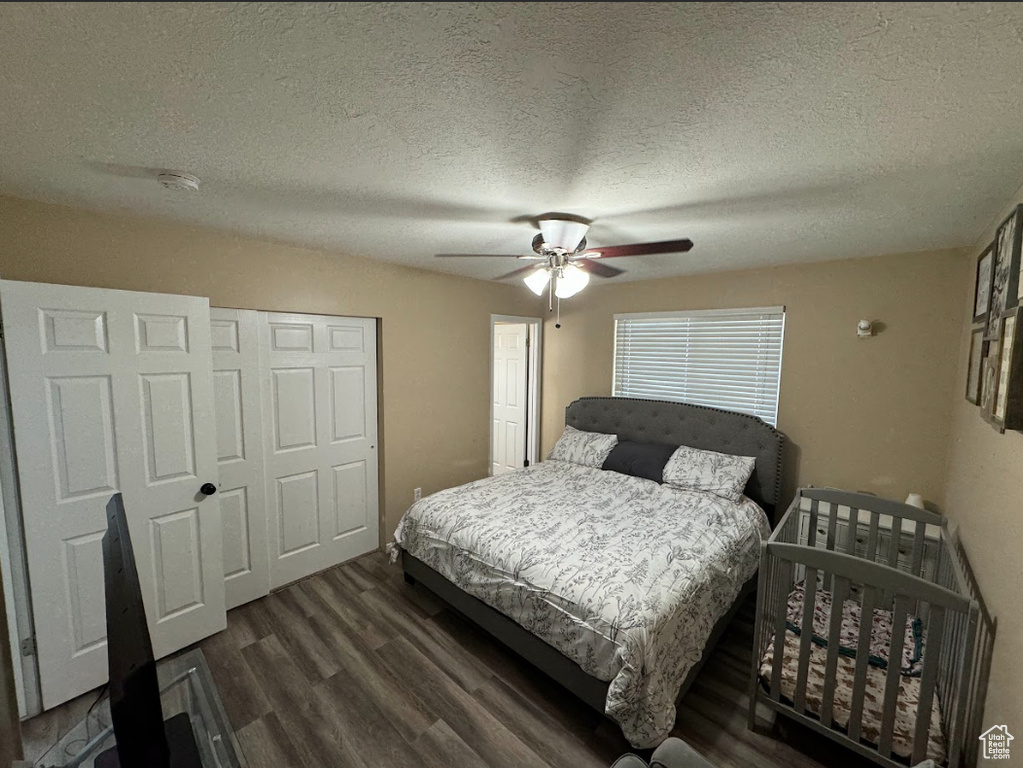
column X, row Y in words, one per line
column 417, row 494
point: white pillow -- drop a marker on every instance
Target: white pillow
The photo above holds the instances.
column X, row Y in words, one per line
column 719, row 473
column 587, row 448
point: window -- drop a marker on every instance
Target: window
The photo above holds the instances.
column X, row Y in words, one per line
column 724, row 358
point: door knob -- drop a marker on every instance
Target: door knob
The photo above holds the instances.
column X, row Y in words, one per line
column 207, row 489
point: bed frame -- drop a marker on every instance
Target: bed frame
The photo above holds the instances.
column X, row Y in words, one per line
column 652, row 421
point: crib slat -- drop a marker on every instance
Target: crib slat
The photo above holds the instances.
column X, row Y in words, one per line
column 832, row 544
column 838, row 596
column 948, row 691
column 918, row 549
column 967, row 670
column 982, row 667
column 862, row 659
column 871, row 553
column 806, row 635
column 932, row 652
column 854, row 528
column 892, row 680
column 977, row 666
column 811, row 534
column 894, row 543
column 951, row 690
column 781, row 611
column 956, row 673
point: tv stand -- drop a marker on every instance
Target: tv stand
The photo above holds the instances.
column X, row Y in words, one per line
column 184, row 753
column 190, row 700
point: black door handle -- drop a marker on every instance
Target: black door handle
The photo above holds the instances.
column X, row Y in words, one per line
column 207, row 489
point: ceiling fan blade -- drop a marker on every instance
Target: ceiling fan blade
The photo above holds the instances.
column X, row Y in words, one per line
column 477, row 256
column 644, row 249
column 517, row 272
column 596, row 268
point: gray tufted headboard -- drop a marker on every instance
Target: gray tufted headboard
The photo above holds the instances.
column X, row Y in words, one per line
column 660, row 421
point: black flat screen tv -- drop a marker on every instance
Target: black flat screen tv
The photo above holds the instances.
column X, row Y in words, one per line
column 144, row 739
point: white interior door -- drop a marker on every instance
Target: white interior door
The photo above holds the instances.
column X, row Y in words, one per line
column 113, row 391
column 236, row 401
column 320, row 411
column 509, row 384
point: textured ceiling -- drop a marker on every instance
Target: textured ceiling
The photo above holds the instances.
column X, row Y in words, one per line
column 767, row 133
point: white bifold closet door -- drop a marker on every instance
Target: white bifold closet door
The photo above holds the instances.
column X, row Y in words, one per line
column 234, row 334
column 113, row 391
column 319, row 411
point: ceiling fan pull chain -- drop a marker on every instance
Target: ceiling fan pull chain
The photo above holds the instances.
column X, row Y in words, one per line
column 557, row 323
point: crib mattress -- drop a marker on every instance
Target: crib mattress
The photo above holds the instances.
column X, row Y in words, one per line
column 873, row 704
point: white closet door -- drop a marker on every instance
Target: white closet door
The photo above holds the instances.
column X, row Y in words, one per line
column 112, row 391
column 320, row 411
column 234, row 334
column 509, row 384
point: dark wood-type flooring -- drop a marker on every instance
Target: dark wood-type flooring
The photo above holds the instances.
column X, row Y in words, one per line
column 352, row 667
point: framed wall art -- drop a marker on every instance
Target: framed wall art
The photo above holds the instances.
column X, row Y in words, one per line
column 982, row 292
column 988, row 377
column 1005, row 278
column 978, row 351
column 1007, row 409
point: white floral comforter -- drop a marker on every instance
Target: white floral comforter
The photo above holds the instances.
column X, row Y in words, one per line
column 623, row 575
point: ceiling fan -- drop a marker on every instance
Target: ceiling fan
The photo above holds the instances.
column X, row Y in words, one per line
column 564, row 262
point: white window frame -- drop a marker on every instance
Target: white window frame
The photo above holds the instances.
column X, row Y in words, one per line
column 776, row 310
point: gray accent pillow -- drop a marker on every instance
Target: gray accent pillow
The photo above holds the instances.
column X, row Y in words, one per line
column 708, row 471
column 590, row 449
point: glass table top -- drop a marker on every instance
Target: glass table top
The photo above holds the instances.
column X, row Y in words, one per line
column 186, row 685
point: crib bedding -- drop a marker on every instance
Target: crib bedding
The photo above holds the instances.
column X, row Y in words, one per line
column 849, row 630
column 621, row 574
column 873, row 704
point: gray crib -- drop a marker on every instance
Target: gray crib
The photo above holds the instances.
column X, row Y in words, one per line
column 885, row 643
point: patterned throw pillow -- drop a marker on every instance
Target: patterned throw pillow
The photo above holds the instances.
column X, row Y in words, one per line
column 719, row 473
column 587, row 448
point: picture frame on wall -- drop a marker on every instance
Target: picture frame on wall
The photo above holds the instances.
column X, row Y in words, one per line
column 988, row 377
column 985, row 276
column 1007, row 408
column 1006, row 273
column 974, row 371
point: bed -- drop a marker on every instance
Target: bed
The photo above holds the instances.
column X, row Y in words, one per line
column 615, row 586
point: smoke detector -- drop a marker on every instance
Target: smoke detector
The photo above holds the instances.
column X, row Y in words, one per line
column 185, row 182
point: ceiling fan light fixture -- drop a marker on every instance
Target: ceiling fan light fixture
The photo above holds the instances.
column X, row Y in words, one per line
column 537, row 280
column 571, row 281
column 562, row 233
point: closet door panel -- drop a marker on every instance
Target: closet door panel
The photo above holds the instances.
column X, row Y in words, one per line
column 320, row 405
column 112, row 391
column 236, row 383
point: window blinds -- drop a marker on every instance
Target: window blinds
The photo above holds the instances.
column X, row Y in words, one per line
column 728, row 358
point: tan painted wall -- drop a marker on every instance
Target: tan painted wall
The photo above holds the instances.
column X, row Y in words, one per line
column 435, row 330
column 861, row 414
column 983, row 495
